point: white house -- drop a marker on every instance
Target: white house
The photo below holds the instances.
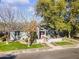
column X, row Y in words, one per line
column 18, row 35
column 44, row 36
column 41, row 33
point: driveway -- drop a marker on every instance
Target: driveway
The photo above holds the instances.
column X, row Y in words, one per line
column 59, row 54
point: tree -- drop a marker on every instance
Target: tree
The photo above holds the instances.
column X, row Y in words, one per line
column 30, row 28
column 52, row 11
column 32, row 31
column 73, row 17
column 55, row 12
column 7, row 15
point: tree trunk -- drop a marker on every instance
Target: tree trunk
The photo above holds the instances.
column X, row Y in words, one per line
column 7, row 37
column 69, row 35
column 28, row 42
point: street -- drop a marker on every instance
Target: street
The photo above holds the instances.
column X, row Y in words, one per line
column 59, row 54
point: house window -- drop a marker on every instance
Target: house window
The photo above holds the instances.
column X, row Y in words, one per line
column 17, row 35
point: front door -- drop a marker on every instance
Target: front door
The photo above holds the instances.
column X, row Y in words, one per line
column 42, row 33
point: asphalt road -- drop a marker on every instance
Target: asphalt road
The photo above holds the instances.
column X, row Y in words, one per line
column 59, row 54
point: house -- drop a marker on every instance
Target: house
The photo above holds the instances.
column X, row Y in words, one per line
column 47, row 34
column 18, row 35
column 42, row 33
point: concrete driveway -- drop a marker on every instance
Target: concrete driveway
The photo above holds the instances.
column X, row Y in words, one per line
column 59, row 54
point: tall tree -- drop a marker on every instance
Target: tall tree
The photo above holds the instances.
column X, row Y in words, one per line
column 7, row 18
column 33, row 30
column 55, row 13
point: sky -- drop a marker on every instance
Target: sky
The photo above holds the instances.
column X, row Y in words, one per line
column 26, row 6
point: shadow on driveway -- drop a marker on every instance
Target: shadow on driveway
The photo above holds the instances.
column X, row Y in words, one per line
column 8, row 57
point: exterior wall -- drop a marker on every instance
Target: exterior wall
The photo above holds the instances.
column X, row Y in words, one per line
column 12, row 37
column 50, row 40
column 22, row 36
column 41, row 33
column 46, row 36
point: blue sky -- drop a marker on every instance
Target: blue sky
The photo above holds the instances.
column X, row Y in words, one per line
column 26, row 6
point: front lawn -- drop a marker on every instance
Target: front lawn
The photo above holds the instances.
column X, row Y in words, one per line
column 17, row 46
column 66, row 42
column 63, row 43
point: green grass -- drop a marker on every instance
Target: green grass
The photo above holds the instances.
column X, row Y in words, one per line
column 36, row 46
column 16, row 46
column 66, row 42
column 62, row 43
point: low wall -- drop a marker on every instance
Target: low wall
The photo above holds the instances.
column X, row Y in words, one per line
column 50, row 40
column 55, row 39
